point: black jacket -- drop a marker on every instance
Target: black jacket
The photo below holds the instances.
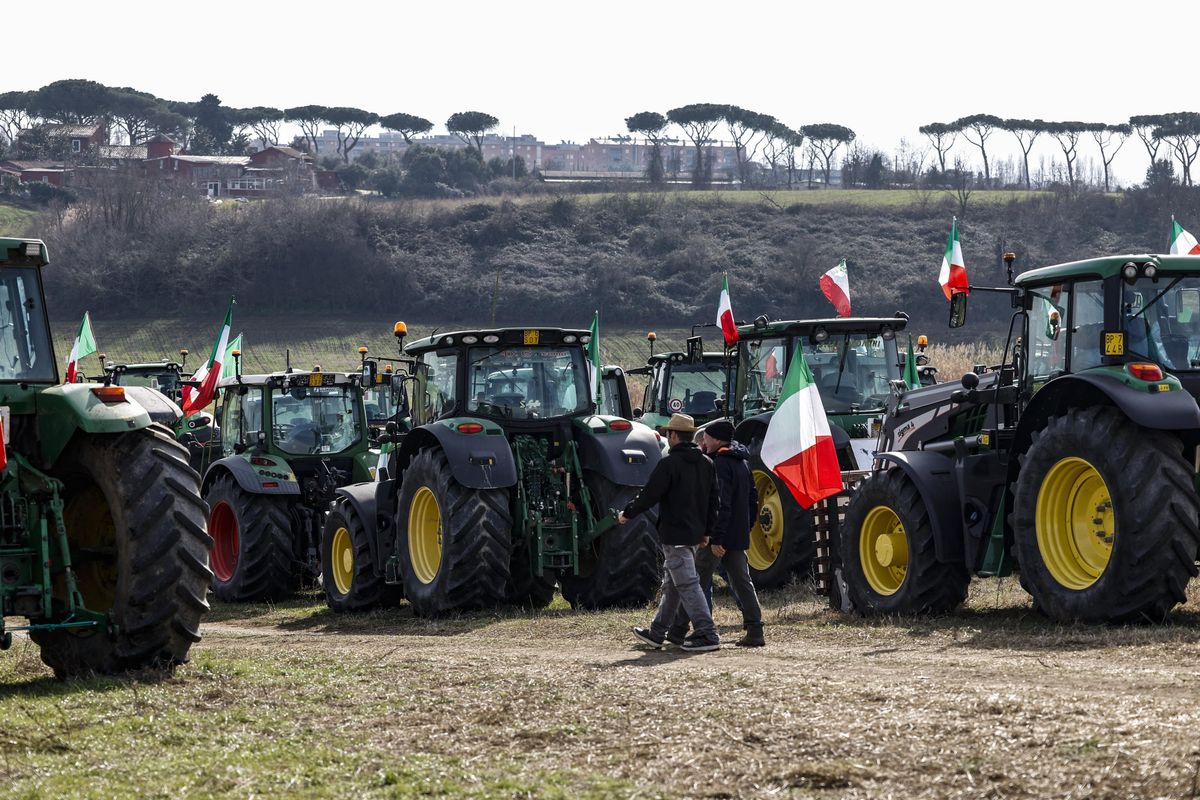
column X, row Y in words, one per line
column 737, row 498
column 684, row 486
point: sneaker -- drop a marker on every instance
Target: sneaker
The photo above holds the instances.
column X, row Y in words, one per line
column 675, row 639
column 698, row 644
column 644, row 636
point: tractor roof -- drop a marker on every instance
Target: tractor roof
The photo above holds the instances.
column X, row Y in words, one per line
column 23, row 253
column 293, row 378
column 503, row 336
column 677, row 356
column 149, row 365
column 837, row 325
column 1106, row 267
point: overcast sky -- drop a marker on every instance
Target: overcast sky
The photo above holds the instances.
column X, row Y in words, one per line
column 574, row 70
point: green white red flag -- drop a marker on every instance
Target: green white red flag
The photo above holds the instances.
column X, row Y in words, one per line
column 593, row 351
column 912, row 378
column 228, row 364
column 836, row 285
column 196, row 398
column 1182, row 242
column 798, row 446
column 85, row 345
column 725, row 315
column 953, row 276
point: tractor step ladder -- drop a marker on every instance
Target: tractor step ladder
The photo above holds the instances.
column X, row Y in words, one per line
column 827, row 519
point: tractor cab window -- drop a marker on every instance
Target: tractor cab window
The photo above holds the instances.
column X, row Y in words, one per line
column 527, row 382
column 853, row 371
column 165, row 382
column 695, row 388
column 439, row 384
column 1086, row 322
column 381, row 403
column 25, row 353
column 241, row 418
column 309, row 420
column 610, row 401
column 1047, row 338
column 1162, row 321
column 763, row 363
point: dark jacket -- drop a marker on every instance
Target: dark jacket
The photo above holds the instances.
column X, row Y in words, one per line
column 737, row 499
column 684, row 486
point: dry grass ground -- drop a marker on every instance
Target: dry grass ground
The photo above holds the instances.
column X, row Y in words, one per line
column 293, row 700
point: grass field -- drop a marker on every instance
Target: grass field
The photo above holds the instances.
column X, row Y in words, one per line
column 14, row 220
column 293, row 700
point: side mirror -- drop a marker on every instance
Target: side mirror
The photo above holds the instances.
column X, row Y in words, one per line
column 637, row 413
column 369, row 369
column 384, row 438
column 970, row 380
column 958, row 309
column 391, row 427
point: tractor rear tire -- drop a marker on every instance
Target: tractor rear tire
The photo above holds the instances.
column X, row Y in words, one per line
column 252, row 543
column 134, row 496
column 623, row 568
column 887, row 551
column 455, row 543
column 782, row 539
column 348, row 570
column 1106, row 519
column 526, row 590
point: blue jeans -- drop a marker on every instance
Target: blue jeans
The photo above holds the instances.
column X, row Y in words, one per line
column 681, row 588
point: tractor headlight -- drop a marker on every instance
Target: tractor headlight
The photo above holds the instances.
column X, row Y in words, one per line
column 1150, row 271
column 887, row 333
column 1129, row 272
column 820, row 334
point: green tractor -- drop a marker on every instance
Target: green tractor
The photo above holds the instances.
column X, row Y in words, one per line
column 502, row 486
column 166, row 378
column 289, row 441
column 1074, row 460
column 683, row 383
column 102, row 540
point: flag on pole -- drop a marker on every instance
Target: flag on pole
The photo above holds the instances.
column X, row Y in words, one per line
column 228, row 364
column 954, row 271
column 798, row 446
column 836, row 285
column 725, row 314
column 593, row 353
column 911, row 376
column 195, row 398
column 1182, row 242
column 85, row 345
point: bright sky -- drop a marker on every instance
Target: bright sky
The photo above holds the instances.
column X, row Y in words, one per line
column 574, row 70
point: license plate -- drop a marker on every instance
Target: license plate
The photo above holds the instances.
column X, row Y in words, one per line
column 6, row 421
column 315, row 379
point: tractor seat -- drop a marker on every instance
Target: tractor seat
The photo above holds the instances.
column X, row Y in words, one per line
column 701, row 403
column 510, row 399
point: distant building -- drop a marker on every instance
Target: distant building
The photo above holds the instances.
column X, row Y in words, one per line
column 77, row 138
column 53, row 173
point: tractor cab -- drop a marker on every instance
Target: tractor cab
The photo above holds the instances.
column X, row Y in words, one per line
column 681, row 383
column 166, row 378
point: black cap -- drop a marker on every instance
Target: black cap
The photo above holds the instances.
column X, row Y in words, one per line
column 721, row 430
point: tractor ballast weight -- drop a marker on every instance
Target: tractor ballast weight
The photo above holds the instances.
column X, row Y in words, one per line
column 102, row 540
column 1075, row 459
column 502, row 487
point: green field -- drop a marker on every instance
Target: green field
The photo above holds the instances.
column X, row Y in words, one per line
column 14, row 220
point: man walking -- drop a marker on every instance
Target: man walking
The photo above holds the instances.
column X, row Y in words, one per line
column 683, row 485
column 737, row 504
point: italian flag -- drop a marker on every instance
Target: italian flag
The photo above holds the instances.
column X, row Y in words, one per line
column 798, row 446
column 85, row 345
column 196, row 398
column 593, row 353
column 954, row 271
column 912, row 378
column 725, row 315
column 228, row 364
column 1182, row 242
column 836, row 285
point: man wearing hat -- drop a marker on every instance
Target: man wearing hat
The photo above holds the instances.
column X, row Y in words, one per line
column 737, row 502
column 684, row 486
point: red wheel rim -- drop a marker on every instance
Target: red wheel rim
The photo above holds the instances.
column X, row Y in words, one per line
column 223, row 528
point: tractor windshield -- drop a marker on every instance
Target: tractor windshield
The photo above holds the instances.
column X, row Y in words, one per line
column 1162, row 321
column 527, row 382
column 380, row 405
column 695, row 388
column 25, row 353
column 164, row 381
column 310, row 420
column 853, row 371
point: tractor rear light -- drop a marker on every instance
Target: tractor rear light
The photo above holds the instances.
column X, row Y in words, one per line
column 1145, row 371
column 109, row 394
column 491, row 338
column 259, row 461
column 620, row 425
column 270, row 485
column 570, row 338
column 469, row 427
column 470, row 339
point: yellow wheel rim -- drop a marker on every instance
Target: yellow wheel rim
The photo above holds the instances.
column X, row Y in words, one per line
column 883, row 550
column 1075, row 523
column 766, row 534
column 341, row 558
column 425, row 535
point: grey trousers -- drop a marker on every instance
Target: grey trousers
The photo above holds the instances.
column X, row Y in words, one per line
column 681, row 592
column 737, row 572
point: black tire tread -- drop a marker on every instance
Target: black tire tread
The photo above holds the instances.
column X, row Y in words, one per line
column 265, row 569
column 367, row 589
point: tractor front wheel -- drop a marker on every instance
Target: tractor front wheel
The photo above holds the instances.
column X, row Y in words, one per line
column 348, row 571
column 1106, row 519
column 887, row 551
column 782, row 540
column 252, row 543
column 455, row 543
column 135, row 523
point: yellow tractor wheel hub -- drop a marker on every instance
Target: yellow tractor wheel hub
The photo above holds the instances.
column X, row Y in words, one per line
column 766, row 534
column 342, row 560
column 1076, row 526
column 883, row 550
column 425, row 535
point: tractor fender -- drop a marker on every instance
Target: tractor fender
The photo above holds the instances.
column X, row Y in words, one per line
column 933, row 475
column 624, row 457
column 161, row 408
column 367, row 499
column 477, row 460
column 1175, row 410
column 64, row 410
column 251, row 478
